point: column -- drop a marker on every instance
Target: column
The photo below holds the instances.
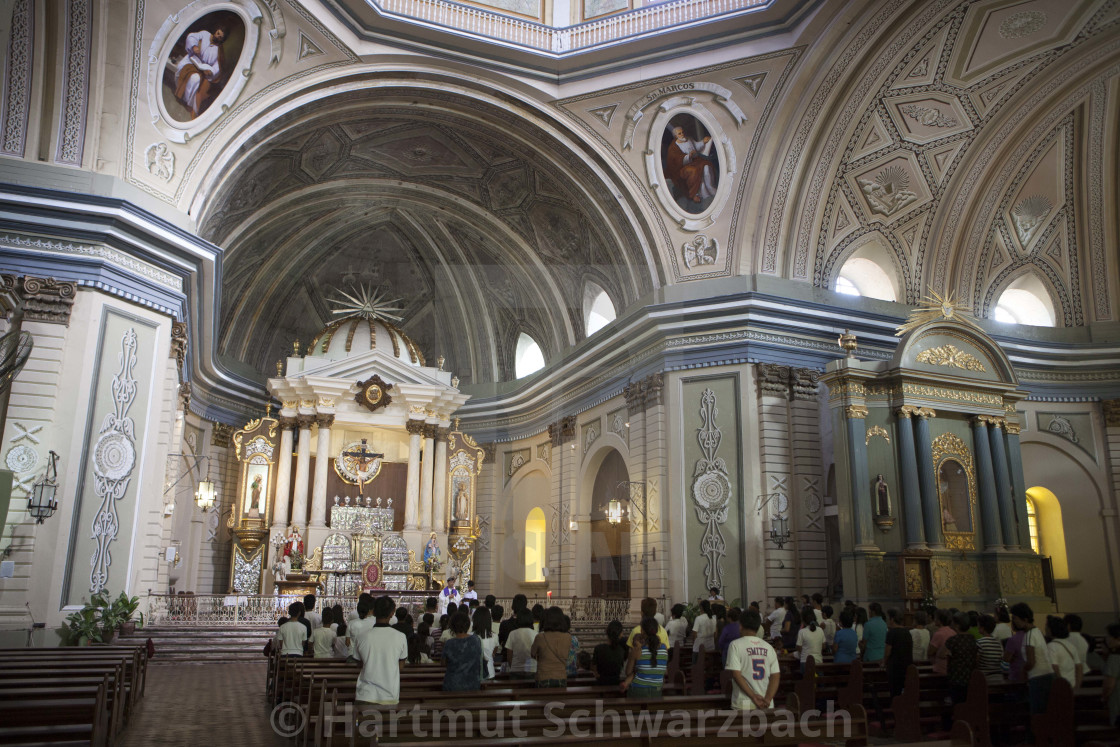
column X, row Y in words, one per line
column 412, row 485
column 439, row 483
column 1018, row 487
column 1007, row 517
column 927, row 483
column 911, row 490
column 860, row 480
column 986, row 484
column 322, row 461
column 283, row 476
column 303, row 466
column 427, row 474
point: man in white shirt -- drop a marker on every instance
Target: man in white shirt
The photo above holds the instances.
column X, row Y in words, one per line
column 1040, row 672
column 519, row 646
column 754, row 668
column 293, row 634
column 364, row 623
column 777, row 617
column 818, row 608
column 382, row 652
column 1079, row 642
column 677, row 629
column 470, row 593
column 312, row 616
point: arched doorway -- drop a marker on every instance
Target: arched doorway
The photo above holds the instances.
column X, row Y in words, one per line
column 610, row 543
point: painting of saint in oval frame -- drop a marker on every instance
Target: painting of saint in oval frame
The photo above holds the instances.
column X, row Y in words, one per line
column 690, row 163
column 200, row 64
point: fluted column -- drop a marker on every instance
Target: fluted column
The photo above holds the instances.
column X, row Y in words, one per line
column 439, row 483
column 283, row 475
column 986, row 484
column 860, row 480
column 303, row 466
column 927, row 481
column 427, row 475
column 412, row 486
column 1018, row 486
column 911, row 490
column 322, row 460
column 1007, row 518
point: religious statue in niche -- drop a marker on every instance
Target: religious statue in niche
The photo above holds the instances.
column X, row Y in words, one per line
column 882, row 496
column 690, row 163
column 431, row 553
column 255, row 497
column 293, row 542
column 953, row 490
column 280, row 570
column 461, row 497
column 200, row 64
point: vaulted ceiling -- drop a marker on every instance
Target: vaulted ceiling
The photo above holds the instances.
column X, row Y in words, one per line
column 484, row 225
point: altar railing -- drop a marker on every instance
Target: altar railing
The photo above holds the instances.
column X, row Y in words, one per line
column 260, row 609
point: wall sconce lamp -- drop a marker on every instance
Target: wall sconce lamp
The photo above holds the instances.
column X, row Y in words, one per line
column 779, row 530
column 573, row 525
column 41, row 501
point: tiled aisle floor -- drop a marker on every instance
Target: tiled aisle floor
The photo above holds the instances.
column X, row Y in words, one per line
column 196, row 704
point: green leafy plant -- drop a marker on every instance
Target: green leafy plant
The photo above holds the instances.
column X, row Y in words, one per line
column 100, row 619
column 84, row 626
column 118, row 614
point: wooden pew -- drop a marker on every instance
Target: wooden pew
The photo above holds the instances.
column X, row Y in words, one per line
column 73, row 717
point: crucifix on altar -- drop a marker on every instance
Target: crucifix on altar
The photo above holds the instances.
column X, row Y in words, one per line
column 360, row 459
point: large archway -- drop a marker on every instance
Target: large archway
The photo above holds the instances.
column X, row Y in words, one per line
column 610, row 542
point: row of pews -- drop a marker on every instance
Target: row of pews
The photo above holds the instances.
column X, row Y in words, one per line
column 69, row 697
column 508, row 712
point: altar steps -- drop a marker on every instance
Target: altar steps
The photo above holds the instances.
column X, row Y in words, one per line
column 205, row 643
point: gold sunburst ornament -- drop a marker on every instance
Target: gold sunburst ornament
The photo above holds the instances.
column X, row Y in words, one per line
column 365, row 304
column 936, row 306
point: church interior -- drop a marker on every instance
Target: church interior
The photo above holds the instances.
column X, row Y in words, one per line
column 590, row 301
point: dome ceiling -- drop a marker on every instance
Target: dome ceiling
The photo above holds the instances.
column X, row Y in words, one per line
column 482, row 232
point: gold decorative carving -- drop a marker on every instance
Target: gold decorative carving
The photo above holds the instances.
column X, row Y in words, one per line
column 1111, row 409
column 309, row 403
column 950, row 447
column 855, row 412
column 936, row 306
column 952, row 395
column 290, row 404
column 966, row 578
column 926, row 413
column 951, row 356
column 942, row 571
column 876, row 430
column 416, row 409
column 1013, row 429
column 1021, row 578
column 326, row 402
column 221, row 435
column 373, row 393
column 843, row 388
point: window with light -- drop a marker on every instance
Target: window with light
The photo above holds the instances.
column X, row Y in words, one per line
column 534, row 546
column 528, row 358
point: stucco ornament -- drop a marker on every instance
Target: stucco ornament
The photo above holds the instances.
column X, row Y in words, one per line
column 114, row 457
column 711, row 491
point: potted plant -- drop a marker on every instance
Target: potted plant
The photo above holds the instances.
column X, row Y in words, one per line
column 122, row 609
column 85, row 626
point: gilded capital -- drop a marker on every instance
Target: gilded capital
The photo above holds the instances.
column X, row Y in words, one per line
column 1013, row 429
column 855, row 411
column 415, row 427
column 305, row 421
column 324, row 420
column 907, row 411
column 926, row 413
column 288, row 423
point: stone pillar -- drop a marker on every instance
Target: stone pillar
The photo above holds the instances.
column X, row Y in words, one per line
column 927, row 481
column 283, row 476
column 859, row 479
column 1018, row 487
column 986, row 484
column 1008, row 518
column 322, row 461
column 427, row 476
column 303, row 466
column 439, row 483
column 911, row 490
column 412, row 486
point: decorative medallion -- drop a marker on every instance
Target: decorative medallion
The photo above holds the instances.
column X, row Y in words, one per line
column 1059, row 426
column 373, row 393
column 1028, row 214
column 949, row 355
column 888, row 191
column 701, row 250
column 22, row 458
column 1022, row 24
column 711, row 491
column 114, row 456
column 160, row 161
column 876, row 430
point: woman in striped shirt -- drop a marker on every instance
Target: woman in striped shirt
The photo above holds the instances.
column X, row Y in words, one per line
column 989, row 651
column 649, row 658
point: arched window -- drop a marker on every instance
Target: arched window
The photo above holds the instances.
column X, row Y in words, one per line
column 1026, row 301
column 1032, row 524
column 535, row 558
column 528, row 359
column 598, row 309
column 861, row 276
column 1047, row 529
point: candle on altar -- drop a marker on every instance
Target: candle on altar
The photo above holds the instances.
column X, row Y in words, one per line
column 549, row 595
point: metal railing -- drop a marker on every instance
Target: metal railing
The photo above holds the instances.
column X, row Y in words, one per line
column 541, row 37
column 260, row 609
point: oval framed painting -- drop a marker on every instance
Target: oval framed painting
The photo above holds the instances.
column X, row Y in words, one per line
column 199, row 63
column 690, row 163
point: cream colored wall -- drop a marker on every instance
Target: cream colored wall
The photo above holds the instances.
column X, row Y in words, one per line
column 54, row 392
